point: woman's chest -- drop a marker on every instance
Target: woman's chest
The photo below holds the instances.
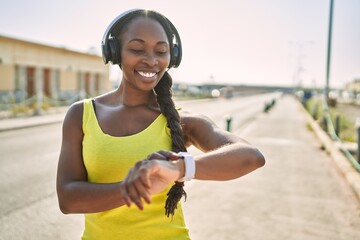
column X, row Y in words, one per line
column 125, row 121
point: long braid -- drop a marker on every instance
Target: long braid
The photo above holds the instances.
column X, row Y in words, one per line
column 167, row 107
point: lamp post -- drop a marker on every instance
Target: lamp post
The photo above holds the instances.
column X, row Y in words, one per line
column 326, row 90
column 299, row 64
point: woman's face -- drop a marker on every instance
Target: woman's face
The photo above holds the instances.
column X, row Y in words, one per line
column 145, row 53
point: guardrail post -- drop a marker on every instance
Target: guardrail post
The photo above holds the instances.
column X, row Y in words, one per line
column 228, row 122
column 358, row 138
column 337, row 124
column 266, row 107
column 315, row 111
column 324, row 123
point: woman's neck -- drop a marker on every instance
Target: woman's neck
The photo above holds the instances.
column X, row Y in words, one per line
column 132, row 97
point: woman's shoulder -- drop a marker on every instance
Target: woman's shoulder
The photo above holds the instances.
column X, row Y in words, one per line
column 74, row 113
column 77, row 107
column 191, row 120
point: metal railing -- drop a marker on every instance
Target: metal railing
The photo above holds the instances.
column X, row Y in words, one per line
column 332, row 133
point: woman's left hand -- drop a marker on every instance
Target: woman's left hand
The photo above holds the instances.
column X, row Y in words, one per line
column 150, row 176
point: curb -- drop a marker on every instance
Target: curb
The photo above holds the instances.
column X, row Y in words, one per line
column 20, row 123
column 342, row 163
column 28, row 125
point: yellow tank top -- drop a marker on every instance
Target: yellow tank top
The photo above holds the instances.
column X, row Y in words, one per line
column 107, row 159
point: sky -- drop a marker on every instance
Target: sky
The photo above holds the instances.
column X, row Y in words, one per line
column 251, row 42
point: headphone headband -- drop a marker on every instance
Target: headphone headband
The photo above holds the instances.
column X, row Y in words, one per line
column 110, row 44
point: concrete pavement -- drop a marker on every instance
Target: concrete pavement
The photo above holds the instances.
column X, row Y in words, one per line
column 301, row 193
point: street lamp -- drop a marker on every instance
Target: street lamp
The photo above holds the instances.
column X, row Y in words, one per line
column 299, row 66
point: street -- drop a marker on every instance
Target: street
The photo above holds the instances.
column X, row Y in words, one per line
column 280, row 196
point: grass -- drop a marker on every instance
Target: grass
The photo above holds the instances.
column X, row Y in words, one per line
column 23, row 109
column 347, row 128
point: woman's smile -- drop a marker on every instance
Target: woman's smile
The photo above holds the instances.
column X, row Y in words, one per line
column 147, row 76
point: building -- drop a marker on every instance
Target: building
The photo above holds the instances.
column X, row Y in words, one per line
column 31, row 71
column 353, row 86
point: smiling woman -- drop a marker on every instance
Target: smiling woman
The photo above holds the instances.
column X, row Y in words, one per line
column 123, row 155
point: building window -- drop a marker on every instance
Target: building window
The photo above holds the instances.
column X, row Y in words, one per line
column 47, row 83
column 17, row 78
column 87, row 84
column 30, row 81
column 97, row 83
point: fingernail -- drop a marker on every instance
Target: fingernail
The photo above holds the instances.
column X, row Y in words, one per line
column 173, row 156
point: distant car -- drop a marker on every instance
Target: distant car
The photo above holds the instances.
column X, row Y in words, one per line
column 227, row 92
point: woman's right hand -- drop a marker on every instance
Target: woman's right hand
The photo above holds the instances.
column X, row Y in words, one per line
column 149, row 176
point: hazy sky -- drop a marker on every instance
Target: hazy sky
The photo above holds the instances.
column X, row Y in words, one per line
column 272, row 42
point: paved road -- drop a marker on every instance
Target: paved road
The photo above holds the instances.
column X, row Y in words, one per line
column 297, row 195
column 29, row 208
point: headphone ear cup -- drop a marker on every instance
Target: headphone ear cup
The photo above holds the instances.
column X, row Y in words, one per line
column 114, row 50
column 175, row 57
column 105, row 53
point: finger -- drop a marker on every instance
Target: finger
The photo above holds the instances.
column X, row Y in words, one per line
column 169, row 155
column 142, row 191
column 172, row 156
column 138, row 164
column 134, row 195
column 124, row 190
column 144, row 174
column 124, row 194
column 142, row 184
column 163, row 155
column 156, row 156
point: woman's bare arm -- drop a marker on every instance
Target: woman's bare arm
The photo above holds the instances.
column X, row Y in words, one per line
column 75, row 193
column 226, row 155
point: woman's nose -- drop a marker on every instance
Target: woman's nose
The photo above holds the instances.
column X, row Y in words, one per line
column 150, row 59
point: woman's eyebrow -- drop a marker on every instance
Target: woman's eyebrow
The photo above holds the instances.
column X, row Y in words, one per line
column 136, row 40
column 142, row 41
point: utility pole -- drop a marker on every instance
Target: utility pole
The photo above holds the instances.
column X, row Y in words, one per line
column 326, row 90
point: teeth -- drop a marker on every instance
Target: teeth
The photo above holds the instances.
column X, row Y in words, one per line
column 147, row 74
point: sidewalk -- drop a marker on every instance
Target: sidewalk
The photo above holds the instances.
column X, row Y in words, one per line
column 301, row 193
column 55, row 116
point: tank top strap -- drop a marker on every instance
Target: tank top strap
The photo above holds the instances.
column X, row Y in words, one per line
column 88, row 112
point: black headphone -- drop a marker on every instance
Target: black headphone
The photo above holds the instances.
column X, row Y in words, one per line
column 110, row 45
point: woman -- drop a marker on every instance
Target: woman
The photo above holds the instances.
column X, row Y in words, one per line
column 122, row 151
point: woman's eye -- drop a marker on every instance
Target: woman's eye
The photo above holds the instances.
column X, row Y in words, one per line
column 161, row 53
column 137, row 50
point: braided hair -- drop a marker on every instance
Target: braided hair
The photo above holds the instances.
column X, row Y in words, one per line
column 167, row 107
